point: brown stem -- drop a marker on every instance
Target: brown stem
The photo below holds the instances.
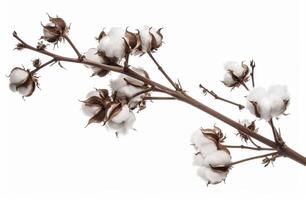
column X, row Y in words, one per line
column 282, row 150
column 42, row 66
column 73, row 47
column 162, row 71
column 141, row 92
column 212, row 93
column 247, row 147
column 252, row 64
column 277, row 138
column 253, row 158
column 159, row 98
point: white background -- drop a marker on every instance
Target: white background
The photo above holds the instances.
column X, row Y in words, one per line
column 46, row 153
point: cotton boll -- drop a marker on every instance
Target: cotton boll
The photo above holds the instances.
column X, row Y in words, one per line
column 211, row 176
column 198, row 138
column 18, row 76
column 228, row 79
column 122, row 115
column 93, row 56
column 235, row 67
column 27, row 90
column 118, row 83
column 145, row 38
column 124, row 126
column 257, row 94
column 198, row 160
column 113, row 44
column 217, row 158
column 207, row 148
column 264, row 106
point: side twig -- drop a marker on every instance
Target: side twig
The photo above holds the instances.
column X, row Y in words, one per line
column 73, row 47
column 247, row 147
column 253, row 158
column 212, row 93
column 163, row 72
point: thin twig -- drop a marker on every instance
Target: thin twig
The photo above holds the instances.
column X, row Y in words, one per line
column 141, row 92
column 285, row 150
column 43, row 65
column 277, row 138
column 73, row 47
column 162, row 71
column 247, row 147
column 212, row 93
column 252, row 64
column 253, row 158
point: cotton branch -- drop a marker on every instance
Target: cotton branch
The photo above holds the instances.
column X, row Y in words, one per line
column 212, row 93
column 179, row 95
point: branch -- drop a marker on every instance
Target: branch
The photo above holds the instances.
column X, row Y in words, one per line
column 43, row 65
column 212, row 93
column 73, row 47
column 142, row 92
column 283, row 150
column 253, row 158
column 159, row 98
column 247, row 147
column 163, row 72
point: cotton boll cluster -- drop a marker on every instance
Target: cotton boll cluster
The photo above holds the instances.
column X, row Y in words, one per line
column 22, row 81
column 269, row 103
column 55, row 30
column 213, row 159
column 236, row 74
column 102, row 108
column 92, row 55
column 127, row 87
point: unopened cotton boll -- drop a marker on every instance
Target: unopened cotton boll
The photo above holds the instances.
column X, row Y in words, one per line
column 55, row 30
column 212, row 176
column 218, row 158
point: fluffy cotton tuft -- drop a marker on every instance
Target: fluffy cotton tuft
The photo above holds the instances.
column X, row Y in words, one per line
column 218, row 158
column 91, row 110
column 18, row 76
column 93, row 56
column 268, row 103
column 123, row 121
column 211, row 176
column 210, row 156
column 146, row 38
column 228, row 79
column 113, row 45
column 234, row 67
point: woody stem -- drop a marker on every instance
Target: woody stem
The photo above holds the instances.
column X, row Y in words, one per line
column 253, row 158
column 162, row 71
column 247, row 147
column 212, row 93
column 73, row 47
column 159, row 98
column 42, row 66
column 283, row 150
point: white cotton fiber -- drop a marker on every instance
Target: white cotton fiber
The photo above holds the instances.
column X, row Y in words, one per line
column 210, row 175
column 18, row 76
column 217, row 158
